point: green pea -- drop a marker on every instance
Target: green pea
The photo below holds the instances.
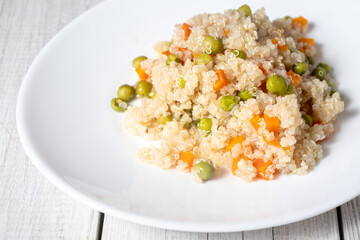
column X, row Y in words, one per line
column 290, row 90
column 143, row 88
column 188, row 110
column 319, row 72
column 311, row 60
column 205, row 124
column 136, row 62
column 173, row 57
column 152, row 95
column 203, row 59
column 276, row 85
column 118, row 105
column 164, row 119
column 181, row 82
column 168, row 61
column 308, row 119
column 245, row 95
column 239, row 54
column 324, row 66
column 245, row 9
column 212, row 45
column 204, row 169
column 187, row 125
column 287, row 17
column 126, row 92
column 227, row 102
column 300, row 68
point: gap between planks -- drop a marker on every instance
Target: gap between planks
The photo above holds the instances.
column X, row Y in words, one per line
column 100, row 226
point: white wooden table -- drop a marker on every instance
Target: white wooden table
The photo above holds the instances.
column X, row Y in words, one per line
column 32, row 208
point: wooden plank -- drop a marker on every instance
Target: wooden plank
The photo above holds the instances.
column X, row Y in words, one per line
column 324, row 226
column 350, row 215
column 115, row 228
column 263, row 234
column 259, row 234
column 31, row 207
column 320, row 227
column 226, row 236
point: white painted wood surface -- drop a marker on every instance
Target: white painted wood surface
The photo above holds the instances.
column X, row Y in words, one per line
column 350, row 214
column 324, row 226
column 115, row 228
column 31, row 208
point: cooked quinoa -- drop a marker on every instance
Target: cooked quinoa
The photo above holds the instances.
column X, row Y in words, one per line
column 249, row 128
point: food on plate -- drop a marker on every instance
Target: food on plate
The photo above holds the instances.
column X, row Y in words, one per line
column 233, row 90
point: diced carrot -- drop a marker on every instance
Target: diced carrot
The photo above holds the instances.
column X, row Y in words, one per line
column 308, row 42
column 226, row 32
column 187, row 30
column 221, row 81
column 302, row 50
column 262, row 69
column 142, row 74
column 296, row 78
column 196, row 55
column 282, row 47
column 272, row 123
column 255, row 122
column 167, row 53
column 261, row 168
column 300, row 22
column 186, row 157
column 275, row 143
column 234, row 141
column 182, row 49
column 234, row 165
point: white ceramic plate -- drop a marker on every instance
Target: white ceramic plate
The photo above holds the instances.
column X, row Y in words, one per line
column 78, row 142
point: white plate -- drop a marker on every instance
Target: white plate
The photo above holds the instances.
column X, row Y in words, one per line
column 78, row 142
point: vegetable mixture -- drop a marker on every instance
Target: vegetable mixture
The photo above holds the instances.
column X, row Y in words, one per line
column 233, row 90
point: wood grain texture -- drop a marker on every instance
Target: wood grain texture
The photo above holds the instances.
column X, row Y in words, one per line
column 31, row 207
column 324, row 226
column 226, row 236
column 115, row 228
column 259, row 234
column 350, row 214
column 248, row 235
